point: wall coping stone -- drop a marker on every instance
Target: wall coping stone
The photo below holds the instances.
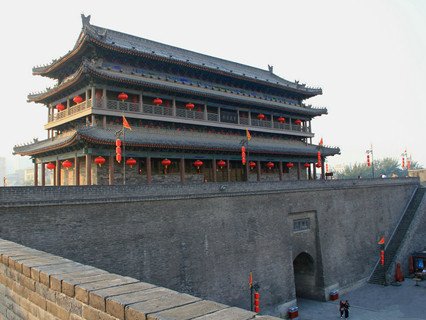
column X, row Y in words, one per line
column 58, row 287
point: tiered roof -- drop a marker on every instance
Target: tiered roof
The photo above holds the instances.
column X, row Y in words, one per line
column 175, row 139
column 132, row 45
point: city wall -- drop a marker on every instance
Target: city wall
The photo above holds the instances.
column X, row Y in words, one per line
column 38, row 285
column 205, row 239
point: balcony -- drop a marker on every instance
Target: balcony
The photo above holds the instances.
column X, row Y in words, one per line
column 77, row 111
column 164, row 113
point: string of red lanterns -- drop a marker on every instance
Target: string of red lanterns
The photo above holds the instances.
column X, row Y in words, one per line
column 118, row 150
column 243, row 155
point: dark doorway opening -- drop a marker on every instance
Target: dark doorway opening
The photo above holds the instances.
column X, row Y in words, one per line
column 304, row 276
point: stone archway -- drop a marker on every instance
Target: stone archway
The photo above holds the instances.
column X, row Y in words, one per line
column 304, row 276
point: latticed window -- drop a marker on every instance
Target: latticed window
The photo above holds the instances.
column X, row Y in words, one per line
column 301, row 224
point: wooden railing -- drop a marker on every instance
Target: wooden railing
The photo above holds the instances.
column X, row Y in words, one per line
column 71, row 110
column 166, row 111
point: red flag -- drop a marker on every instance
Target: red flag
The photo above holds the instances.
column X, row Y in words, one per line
column 382, row 240
column 126, row 124
column 248, row 135
column 321, row 143
column 250, row 279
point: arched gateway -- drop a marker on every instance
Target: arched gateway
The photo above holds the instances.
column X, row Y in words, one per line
column 304, row 276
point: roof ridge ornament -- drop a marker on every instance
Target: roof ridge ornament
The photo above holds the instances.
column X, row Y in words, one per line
column 271, row 68
column 85, row 20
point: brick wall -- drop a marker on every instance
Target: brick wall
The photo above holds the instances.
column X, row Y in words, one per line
column 38, row 285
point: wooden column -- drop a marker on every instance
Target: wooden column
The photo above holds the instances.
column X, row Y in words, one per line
column 280, row 169
column 43, row 174
column 228, row 170
column 104, row 122
column 35, row 174
column 322, row 168
column 182, row 169
column 247, row 170
column 93, row 120
column 93, row 97
column 58, row 173
column 111, row 170
column 174, row 107
column 77, row 171
column 148, row 170
column 298, row 171
column 258, row 170
column 141, row 102
column 104, row 98
column 88, row 169
column 314, row 171
column 214, row 168
column 310, row 172
column 249, row 118
column 205, row 112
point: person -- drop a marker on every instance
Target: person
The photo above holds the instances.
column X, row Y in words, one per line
column 341, row 308
column 346, row 307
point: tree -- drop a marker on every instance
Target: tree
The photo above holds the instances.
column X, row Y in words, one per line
column 387, row 166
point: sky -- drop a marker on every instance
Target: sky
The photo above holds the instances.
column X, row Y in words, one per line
column 368, row 56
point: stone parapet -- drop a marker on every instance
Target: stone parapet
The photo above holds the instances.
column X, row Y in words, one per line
column 50, row 195
column 39, row 285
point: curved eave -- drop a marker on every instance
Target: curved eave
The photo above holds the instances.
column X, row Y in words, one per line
column 23, row 150
column 41, row 97
column 47, row 70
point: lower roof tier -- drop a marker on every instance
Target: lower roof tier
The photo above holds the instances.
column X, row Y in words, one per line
column 179, row 140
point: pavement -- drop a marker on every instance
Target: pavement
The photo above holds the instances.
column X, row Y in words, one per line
column 372, row 302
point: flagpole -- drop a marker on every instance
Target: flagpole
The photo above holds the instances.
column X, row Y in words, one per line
column 124, row 155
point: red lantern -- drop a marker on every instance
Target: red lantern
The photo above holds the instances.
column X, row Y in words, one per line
column 221, row 164
column 118, row 157
column 122, row 96
column 281, row 119
column 403, row 163
column 60, row 107
column 198, row 164
column 408, row 164
column 118, row 143
column 307, row 165
column 67, row 164
column 157, row 101
column 77, row 99
column 131, row 162
column 261, row 116
column 318, row 165
column 368, row 160
column 319, row 158
column 270, row 165
column 166, row 162
column 189, row 106
column 290, row 165
column 100, row 161
column 382, row 257
column 298, row 122
column 243, row 155
column 326, row 167
column 50, row 166
column 252, row 165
